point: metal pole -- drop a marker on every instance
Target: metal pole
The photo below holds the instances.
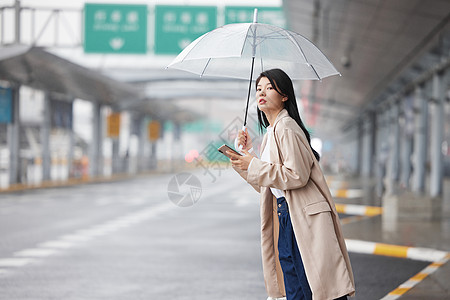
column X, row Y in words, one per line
column 141, row 165
column 17, row 10
column 365, row 147
column 360, row 133
column 14, row 138
column 437, row 135
column 373, row 142
column 396, row 142
column 381, row 155
column 96, row 155
column 45, row 136
column 153, row 157
column 406, row 143
column 115, row 156
column 116, row 162
column 55, row 41
column 101, row 125
column 177, row 138
column 368, row 146
column 2, row 25
column 420, row 138
column 392, row 169
column 72, row 145
column 32, row 23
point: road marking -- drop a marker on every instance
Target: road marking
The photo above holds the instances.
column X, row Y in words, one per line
column 353, row 219
column 136, row 201
column 416, row 253
column 244, row 201
column 130, row 202
column 391, row 250
column 373, row 211
column 360, row 246
column 347, row 193
column 49, row 248
column 433, row 255
column 335, row 183
column 36, row 252
column 413, row 281
column 66, row 183
column 360, row 210
column 75, row 238
column 339, row 188
column 57, row 244
column 103, row 201
column 15, row 262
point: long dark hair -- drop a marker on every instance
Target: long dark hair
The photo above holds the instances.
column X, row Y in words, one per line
column 283, row 85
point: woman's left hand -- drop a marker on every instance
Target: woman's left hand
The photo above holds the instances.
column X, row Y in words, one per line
column 241, row 161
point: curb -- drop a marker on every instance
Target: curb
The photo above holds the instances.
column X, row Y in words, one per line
column 360, row 210
column 18, row 187
column 336, row 183
column 413, row 281
column 416, row 253
column 353, row 219
column 347, row 193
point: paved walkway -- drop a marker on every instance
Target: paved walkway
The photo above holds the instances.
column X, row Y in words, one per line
column 427, row 240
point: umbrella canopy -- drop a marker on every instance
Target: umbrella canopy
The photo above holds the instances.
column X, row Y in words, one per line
column 235, row 49
column 228, row 52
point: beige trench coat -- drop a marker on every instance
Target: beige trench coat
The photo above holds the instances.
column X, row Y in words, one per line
column 315, row 221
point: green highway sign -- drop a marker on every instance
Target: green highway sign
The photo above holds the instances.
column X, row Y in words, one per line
column 115, row 28
column 244, row 14
column 177, row 26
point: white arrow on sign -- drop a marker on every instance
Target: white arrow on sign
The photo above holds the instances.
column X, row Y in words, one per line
column 116, row 43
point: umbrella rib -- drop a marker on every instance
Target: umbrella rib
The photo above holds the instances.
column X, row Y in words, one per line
column 243, row 45
column 248, row 30
column 273, row 36
column 204, row 69
column 296, row 44
column 314, row 69
column 275, row 33
column 301, row 51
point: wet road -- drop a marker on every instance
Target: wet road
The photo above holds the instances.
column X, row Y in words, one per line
column 127, row 240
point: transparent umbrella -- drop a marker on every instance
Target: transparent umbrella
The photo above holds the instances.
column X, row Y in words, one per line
column 235, row 49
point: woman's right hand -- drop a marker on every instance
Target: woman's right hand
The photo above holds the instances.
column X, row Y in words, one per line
column 244, row 139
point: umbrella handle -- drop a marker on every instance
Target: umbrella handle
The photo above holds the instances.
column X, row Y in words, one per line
column 236, row 145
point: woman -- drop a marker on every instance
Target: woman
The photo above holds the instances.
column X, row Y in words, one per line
column 303, row 249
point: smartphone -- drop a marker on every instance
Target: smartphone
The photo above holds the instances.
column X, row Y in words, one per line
column 222, row 149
